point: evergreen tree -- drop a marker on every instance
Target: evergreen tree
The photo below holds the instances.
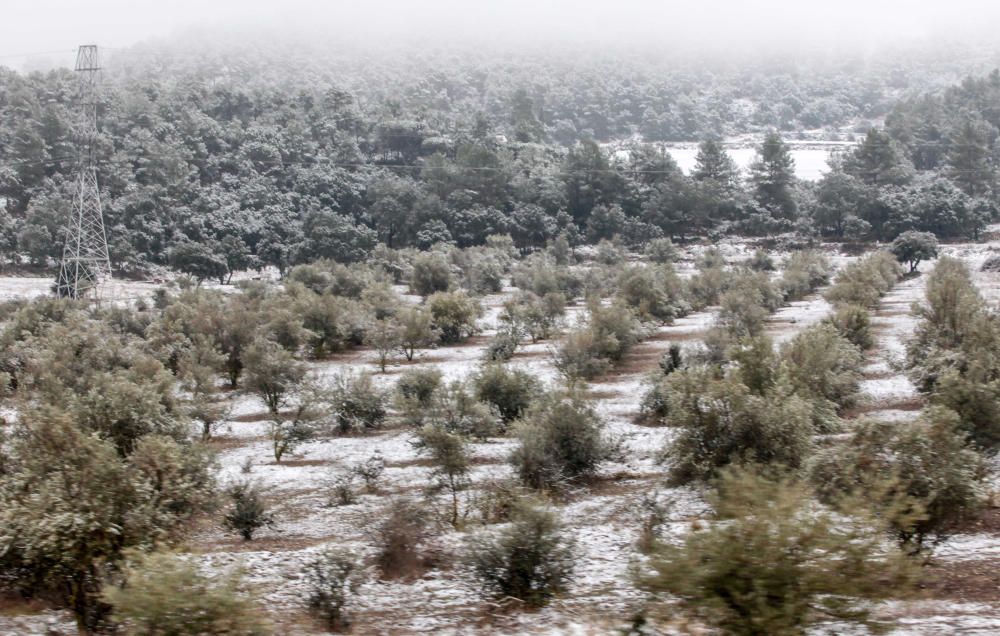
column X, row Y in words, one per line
column 589, row 180
column 879, row 161
column 713, row 165
column 969, row 163
column 772, row 175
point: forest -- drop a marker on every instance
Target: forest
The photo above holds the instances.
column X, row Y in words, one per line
column 254, row 167
column 449, row 343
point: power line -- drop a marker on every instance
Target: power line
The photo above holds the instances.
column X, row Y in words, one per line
column 8, row 56
column 399, row 166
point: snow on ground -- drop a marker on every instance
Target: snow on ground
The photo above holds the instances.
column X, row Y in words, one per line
column 603, row 520
column 788, row 320
column 975, row 254
column 47, row 623
column 27, row 287
column 969, row 547
column 887, row 393
column 885, row 388
column 945, row 618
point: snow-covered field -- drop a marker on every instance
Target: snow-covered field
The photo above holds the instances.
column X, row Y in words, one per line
column 604, row 519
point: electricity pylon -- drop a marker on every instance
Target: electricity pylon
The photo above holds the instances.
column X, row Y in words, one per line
column 85, row 263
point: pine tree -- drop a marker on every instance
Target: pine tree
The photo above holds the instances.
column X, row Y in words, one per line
column 879, row 161
column 772, row 175
column 968, row 159
column 714, row 165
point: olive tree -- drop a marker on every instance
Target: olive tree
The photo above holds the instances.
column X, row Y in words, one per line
column 416, row 330
column 293, row 403
column 771, row 563
column 925, row 473
column 450, row 455
column 912, row 247
column 531, row 560
column 163, row 594
column 561, row 440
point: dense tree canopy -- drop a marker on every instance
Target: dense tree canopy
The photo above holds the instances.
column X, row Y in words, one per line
column 215, row 165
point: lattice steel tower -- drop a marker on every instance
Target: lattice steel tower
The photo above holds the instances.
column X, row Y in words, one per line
column 85, row 263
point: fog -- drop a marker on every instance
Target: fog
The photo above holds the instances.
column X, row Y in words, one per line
column 48, row 31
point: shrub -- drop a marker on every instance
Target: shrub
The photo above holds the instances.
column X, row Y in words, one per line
column 976, row 400
column 482, row 271
column 537, row 317
column 248, row 512
column 854, row 324
column 707, row 285
column 912, row 247
column 382, row 299
column 923, row 472
column 541, row 277
column 531, row 560
column 359, row 405
column 342, row 492
column 672, row 360
column 496, row 500
column 164, row 595
column 577, row 356
column 293, row 402
column 952, row 354
column 770, row 563
column 756, row 364
column 502, row 345
column 953, row 316
column 203, row 407
column 654, row 292
column 560, row 441
column 385, row 338
column 722, row 422
column 348, row 281
column 272, row 373
column 331, row 578
column 661, row 250
column 400, row 541
column 334, row 323
column 600, row 281
column 419, row 385
column 653, row 407
column 711, row 258
column 761, row 261
column 286, row 328
column 821, row 365
column 865, row 280
column 745, row 305
column 450, row 455
column 416, row 330
column 124, row 411
column 287, row 434
column 510, row 391
column 370, row 471
column 454, row 315
column 610, row 332
column 70, row 505
column 430, row 274
column 654, row 515
column 453, row 408
column 804, row 272
column 609, row 253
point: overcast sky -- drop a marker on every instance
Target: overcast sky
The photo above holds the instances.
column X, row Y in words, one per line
column 41, row 26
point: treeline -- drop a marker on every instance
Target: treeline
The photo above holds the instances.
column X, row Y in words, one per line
column 213, row 177
column 925, row 172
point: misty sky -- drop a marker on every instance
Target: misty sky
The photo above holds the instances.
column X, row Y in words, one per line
column 55, row 27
